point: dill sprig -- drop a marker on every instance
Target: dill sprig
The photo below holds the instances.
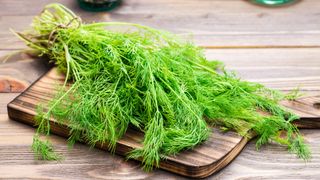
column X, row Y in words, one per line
column 44, row 150
column 150, row 80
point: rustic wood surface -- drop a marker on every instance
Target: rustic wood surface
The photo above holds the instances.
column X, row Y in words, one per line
column 200, row 162
column 206, row 159
column 278, row 47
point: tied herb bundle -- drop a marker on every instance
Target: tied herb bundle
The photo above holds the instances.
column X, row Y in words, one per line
column 152, row 81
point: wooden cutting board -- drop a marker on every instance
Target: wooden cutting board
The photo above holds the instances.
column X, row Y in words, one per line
column 218, row 151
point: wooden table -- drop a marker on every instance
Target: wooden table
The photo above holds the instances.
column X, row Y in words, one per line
column 279, row 47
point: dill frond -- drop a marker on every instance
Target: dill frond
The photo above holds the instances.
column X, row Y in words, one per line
column 153, row 81
column 43, row 149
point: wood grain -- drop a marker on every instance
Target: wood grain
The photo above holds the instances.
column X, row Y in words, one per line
column 8, row 84
column 17, row 160
column 212, row 23
column 273, row 162
column 267, row 66
column 205, row 159
column 260, row 44
column 5, row 98
column 18, row 71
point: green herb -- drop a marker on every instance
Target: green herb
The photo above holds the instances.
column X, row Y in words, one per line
column 294, row 94
column 150, row 80
column 44, row 149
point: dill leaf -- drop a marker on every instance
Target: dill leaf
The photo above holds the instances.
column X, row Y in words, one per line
column 44, row 150
column 152, row 81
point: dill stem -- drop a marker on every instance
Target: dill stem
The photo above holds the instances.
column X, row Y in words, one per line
column 149, row 79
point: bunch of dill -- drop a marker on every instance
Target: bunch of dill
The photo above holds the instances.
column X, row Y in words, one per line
column 152, row 81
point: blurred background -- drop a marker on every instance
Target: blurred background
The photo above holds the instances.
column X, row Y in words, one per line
column 237, row 32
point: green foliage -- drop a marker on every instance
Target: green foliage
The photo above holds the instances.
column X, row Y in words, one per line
column 294, row 94
column 152, row 81
column 43, row 149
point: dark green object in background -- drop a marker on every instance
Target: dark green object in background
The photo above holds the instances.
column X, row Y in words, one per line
column 273, row 2
column 99, row 5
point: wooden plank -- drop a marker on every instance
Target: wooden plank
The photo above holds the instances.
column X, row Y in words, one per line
column 216, row 23
column 18, row 71
column 5, row 98
column 202, row 161
column 283, row 68
column 308, row 109
column 17, row 160
column 273, row 162
column 209, row 157
column 272, row 59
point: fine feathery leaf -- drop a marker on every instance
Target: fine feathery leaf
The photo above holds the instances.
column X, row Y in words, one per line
column 43, row 149
column 152, row 81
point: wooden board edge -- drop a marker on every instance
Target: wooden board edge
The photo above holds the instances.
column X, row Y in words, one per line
column 15, row 113
column 186, row 170
column 307, row 123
